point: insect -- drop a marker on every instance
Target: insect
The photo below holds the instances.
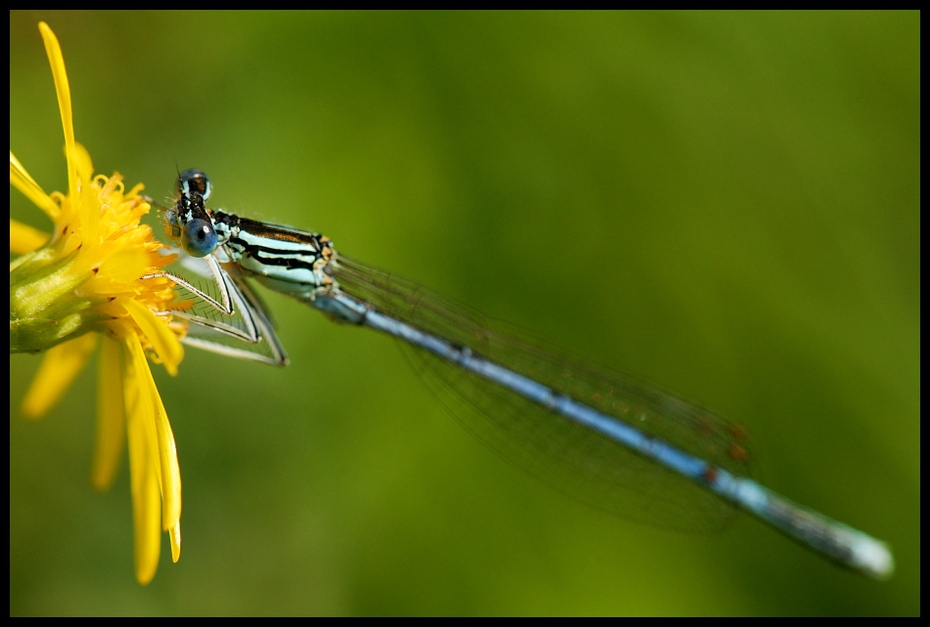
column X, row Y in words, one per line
column 609, row 440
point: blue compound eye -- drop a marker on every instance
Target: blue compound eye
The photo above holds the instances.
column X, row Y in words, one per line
column 198, row 239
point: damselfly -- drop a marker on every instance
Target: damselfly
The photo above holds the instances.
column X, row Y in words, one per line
column 609, row 440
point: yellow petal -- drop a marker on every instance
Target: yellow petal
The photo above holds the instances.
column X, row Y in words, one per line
column 21, row 180
column 156, row 330
column 83, row 164
column 167, row 455
column 168, row 458
column 24, row 238
column 175, row 536
column 88, row 201
column 143, row 464
column 124, row 266
column 63, row 90
column 146, row 502
column 59, row 367
column 111, row 416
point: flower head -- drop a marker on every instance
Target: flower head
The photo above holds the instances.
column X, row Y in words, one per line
column 84, row 282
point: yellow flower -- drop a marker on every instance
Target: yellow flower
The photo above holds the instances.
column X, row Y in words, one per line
column 84, row 282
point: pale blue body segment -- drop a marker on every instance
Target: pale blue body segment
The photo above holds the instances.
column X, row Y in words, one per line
column 611, row 441
column 844, row 544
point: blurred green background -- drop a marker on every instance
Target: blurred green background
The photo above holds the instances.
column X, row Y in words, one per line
column 725, row 204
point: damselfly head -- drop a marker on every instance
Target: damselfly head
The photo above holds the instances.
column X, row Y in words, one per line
column 189, row 222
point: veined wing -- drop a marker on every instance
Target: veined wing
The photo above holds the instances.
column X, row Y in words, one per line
column 247, row 332
column 575, row 459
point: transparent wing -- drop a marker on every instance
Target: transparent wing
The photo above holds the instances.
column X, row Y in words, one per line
column 579, row 461
column 245, row 332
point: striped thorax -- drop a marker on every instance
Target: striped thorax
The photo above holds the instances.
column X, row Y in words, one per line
column 282, row 258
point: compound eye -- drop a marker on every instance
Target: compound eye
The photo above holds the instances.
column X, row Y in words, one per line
column 198, row 239
column 194, row 181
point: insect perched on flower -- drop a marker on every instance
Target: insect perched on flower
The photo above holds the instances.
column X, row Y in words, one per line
column 81, row 286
